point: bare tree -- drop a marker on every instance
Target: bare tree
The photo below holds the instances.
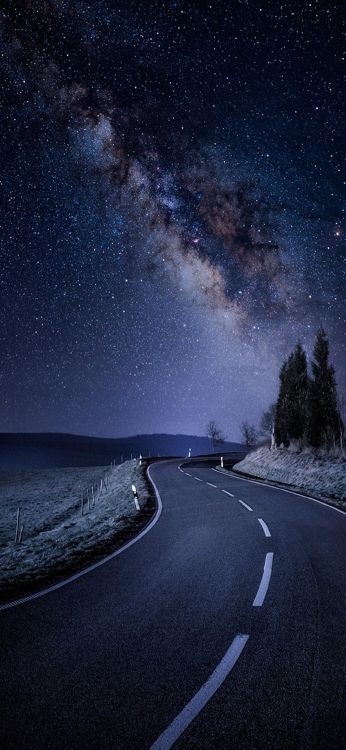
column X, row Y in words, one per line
column 267, row 424
column 268, row 421
column 215, row 434
column 248, row 432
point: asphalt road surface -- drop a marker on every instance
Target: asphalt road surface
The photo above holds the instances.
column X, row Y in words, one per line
column 222, row 627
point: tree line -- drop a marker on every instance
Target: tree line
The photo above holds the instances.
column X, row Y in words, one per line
column 308, row 410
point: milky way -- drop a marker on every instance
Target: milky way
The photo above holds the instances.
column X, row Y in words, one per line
column 173, row 209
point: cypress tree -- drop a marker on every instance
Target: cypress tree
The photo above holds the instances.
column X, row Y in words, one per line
column 323, row 422
column 290, row 422
column 281, row 436
column 297, row 391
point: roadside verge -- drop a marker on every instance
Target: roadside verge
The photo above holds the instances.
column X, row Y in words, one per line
column 138, row 526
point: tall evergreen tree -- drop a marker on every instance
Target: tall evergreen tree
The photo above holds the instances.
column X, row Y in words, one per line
column 281, row 436
column 290, row 419
column 323, row 421
column 297, row 391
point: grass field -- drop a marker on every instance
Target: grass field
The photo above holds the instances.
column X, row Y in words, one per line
column 57, row 536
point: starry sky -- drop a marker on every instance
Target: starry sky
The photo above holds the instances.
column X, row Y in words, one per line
column 172, row 209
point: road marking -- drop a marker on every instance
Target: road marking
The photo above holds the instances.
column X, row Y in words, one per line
column 227, row 493
column 234, row 475
column 187, row 474
column 264, row 527
column 263, row 587
column 197, row 479
column 245, row 505
column 70, row 579
column 167, row 739
column 211, row 485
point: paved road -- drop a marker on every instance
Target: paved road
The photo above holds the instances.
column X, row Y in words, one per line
column 117, row 659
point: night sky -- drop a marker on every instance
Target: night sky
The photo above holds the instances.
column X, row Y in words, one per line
column 172, row 209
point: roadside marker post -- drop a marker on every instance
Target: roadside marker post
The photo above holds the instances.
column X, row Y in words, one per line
column 135, row 496
column 221, row 462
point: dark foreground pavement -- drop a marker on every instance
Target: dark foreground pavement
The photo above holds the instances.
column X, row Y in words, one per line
column 110, row 660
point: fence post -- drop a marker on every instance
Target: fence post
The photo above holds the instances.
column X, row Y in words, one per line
column 17, row 526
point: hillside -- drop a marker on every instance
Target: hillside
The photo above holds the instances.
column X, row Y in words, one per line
column 54, row 450
column 321, row 476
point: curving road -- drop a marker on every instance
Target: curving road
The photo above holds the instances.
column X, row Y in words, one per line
column 222, row 627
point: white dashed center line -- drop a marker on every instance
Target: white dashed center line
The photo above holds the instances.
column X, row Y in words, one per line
column 264, row 527
column 197, row 479
column 201, row 698
column 211, row 485
column 263, row 587
column 228, row 493
column 245, row 505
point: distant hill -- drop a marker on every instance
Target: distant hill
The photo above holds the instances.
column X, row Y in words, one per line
column 49, row 450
